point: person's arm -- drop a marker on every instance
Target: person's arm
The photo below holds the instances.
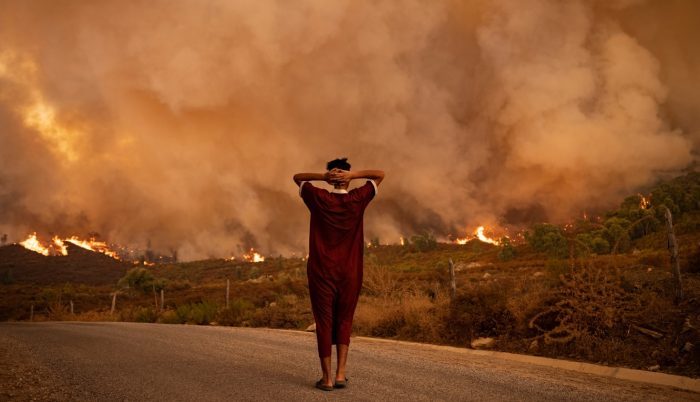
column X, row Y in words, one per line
column 345, row 176
column 302, row 177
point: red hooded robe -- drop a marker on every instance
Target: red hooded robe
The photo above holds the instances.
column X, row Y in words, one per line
column 334, row 267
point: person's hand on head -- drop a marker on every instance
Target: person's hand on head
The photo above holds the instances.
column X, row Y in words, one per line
column 341, row 176
column 328, row 177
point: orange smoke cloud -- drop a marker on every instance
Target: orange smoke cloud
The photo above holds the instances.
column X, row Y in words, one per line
column 119, row 121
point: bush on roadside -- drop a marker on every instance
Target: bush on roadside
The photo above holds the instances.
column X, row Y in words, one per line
column 412, row 317
column 197, row 313
column 170, row 317
column 145, row 314
column 479, row 311
column 281, row 314
column 237, row 313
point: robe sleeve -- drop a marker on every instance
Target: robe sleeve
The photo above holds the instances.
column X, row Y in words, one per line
column 366, row 193
column 308, row 194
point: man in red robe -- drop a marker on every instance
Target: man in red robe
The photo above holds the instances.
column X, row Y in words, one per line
column 334, row 267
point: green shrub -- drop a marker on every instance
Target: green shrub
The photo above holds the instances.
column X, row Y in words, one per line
column 145, row 314
column 197, row 313
column 548, row 239
column 141, row 279
column 591, row 242
column 170, row 317
column 423, row 242
column 506, row 251
column 617, row 233
column 254, row 273
column 239, row 310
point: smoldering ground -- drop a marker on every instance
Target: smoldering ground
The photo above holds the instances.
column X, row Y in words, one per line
column 182, row 122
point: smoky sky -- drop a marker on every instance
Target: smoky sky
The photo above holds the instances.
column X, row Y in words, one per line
column 181, row 123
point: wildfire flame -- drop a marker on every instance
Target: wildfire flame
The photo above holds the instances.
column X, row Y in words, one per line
column 93, row 245
column 61, row 246
column 479, row 234
column 58, row 246
column 253, row 256
column 644, row 203
column 32, row 243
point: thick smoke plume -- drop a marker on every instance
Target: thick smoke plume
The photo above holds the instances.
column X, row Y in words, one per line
column 182, row 122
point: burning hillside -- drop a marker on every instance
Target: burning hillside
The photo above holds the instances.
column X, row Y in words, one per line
column 78, row 265
column 58, row 246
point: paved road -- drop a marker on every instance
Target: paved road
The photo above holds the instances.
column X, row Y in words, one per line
column 135, row 362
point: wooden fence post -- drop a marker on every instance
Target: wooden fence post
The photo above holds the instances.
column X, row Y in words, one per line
column 453, row 281
column 114, row 303
column 155, row 297
column 228, row 288
column 673, row 249
column 71, row 307
column 31, row 312
column 162, row 299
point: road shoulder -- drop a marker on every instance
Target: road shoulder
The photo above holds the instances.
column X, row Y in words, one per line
column 24, row 378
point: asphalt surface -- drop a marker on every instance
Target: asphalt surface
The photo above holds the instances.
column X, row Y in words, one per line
column 136, row 362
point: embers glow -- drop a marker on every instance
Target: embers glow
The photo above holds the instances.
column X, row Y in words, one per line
column 644, row 203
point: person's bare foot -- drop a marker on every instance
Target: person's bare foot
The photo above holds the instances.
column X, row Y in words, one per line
column 341, row 382
column 324, row 386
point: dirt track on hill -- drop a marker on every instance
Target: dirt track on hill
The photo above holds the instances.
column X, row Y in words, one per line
column 128, row 361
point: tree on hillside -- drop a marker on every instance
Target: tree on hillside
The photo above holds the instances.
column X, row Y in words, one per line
column 548, row 239
column 423, row 242
column 141, row 279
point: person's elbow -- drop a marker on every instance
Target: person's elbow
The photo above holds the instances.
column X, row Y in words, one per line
column 380, row 177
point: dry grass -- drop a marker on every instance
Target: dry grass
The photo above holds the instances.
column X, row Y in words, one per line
column 410, row 316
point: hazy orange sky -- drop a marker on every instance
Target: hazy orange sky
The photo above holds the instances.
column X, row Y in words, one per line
column 182, row 122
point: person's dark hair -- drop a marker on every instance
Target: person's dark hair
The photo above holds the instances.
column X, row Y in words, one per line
column 340, row 163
